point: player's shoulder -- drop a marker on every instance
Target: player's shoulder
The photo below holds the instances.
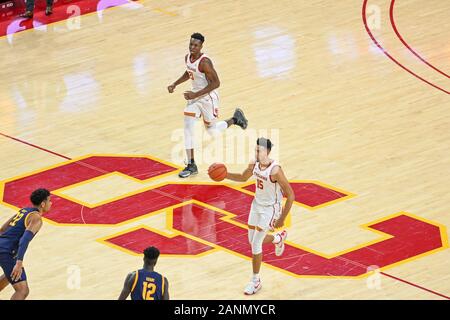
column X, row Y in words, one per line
column 33, row 217
column 205, row 60
column 132, row 276
column 276, row 167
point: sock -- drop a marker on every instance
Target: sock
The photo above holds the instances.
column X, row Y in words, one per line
column 255, row 276
column 221, row 125
column 217, row 128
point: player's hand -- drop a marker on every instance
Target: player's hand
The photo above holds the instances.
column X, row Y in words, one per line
column 189, row 95
column 171, row 88
column 17, row 271
column 278, row 223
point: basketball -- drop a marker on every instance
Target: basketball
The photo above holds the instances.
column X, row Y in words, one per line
column 217, row 171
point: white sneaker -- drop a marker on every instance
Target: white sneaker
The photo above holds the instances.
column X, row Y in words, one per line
column 279, row 247
column 252, row 287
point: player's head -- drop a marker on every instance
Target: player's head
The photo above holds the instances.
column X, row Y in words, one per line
column 151, row 255
column 263, row 147
column 40, row 198
column 196, row 43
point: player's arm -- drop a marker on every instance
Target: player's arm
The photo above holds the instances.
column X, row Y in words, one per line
column 34, row 225
column 183, row 78
column 242, row 177
column 166, row 289
column 278, row 176
column 5, row 226
column 128, row 284
column 207, row 68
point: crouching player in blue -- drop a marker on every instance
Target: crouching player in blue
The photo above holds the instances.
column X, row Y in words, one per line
column 15, row 235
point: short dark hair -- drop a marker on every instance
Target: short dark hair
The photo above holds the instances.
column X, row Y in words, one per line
column 151, row 254
column 198, row 36
column 266, row 143
column 39, row 195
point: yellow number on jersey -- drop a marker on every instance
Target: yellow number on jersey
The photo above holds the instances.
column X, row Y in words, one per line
column 16, row 218
column 148, row 291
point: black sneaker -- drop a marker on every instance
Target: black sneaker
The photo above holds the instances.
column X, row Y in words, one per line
column 240, row 119
column 27, row 15
column 190, row 170
column 48, row 10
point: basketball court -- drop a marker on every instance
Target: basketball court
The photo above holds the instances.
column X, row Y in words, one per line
column 354, row 95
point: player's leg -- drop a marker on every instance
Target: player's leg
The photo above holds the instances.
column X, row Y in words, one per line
column 209, row 106
column 191, row 113
column 3, row 282
column 5, row 265
column 29, row 9
column 279, row 237
column 253, row 221
column 49, row 9
column 255, row 283
column 20, row 286
column 21, row 290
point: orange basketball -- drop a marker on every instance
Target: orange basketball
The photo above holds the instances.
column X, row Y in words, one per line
column 217, row 171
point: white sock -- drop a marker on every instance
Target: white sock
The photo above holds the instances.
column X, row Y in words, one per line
column 216, row 128
column 255, row 276
column 221, row 125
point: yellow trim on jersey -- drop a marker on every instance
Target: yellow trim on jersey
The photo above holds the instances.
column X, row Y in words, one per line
column 162, row 285
column 26, row 218
column 135, row 281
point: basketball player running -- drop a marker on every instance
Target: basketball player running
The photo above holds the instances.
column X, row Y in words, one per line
column 266, row 213
column 15, row 235
column 146, row 284
column 203, row 100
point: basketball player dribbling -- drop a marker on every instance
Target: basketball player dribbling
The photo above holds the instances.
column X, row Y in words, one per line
column 266, row 213
column 203, row 100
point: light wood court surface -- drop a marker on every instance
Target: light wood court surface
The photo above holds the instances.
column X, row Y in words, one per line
column 342, row 112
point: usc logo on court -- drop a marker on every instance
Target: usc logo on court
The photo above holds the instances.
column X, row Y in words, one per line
column 206, row 217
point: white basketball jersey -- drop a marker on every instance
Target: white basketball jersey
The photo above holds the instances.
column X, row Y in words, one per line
column 198, row 78
column 267, row 192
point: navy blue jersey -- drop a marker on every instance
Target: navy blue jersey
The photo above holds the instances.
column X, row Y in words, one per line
column 9, row 240
column 147, row 285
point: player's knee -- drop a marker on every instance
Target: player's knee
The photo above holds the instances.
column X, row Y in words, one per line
column 257, row 242
column 22, row 289
column 256, row 247
column 251, row 233
column 189, row 122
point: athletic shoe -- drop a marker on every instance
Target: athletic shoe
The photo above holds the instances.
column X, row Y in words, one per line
column 279, row 247
column 252, row 287
column 190, row 170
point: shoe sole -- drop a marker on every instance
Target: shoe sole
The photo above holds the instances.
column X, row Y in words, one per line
column 249, row 294
column 192, row 174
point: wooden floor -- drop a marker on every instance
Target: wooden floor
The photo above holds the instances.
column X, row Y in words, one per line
column 348, row 105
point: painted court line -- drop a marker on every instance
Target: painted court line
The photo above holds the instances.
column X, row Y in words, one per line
column 169, row 195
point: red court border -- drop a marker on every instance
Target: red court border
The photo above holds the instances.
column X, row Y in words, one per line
column 391, row 57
